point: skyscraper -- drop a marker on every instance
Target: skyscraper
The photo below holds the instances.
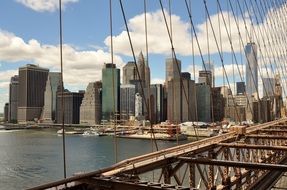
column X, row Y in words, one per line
column 129, row 72
column 269, row 84
column 6, row 112
column 91, row 107
column 156, row 91
column 52, row 85
column 203, row 102
column 174, row 96
column 240, row 88
column 147, row 75
column 72, row 103
column 188, row 98
column 206, row 77
column 138, row 106
column 141, row 68
column 110, row 91
column 251, row 69
column 173, row 69
column 127, row 101
column 13, row 99
column 32, row 82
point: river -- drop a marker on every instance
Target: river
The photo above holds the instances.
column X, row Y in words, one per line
column 33, row 157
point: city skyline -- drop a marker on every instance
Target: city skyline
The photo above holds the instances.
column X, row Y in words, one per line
column 86, row 51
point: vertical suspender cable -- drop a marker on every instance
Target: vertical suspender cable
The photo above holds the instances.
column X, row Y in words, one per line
column 193, row 65
column 62, row 88
column 173, row 86
column 113, row 85
column 135, row 63
column 231, row 44
column 221, row 57
column 147, row 62
column 232, row 58
column 210, row 69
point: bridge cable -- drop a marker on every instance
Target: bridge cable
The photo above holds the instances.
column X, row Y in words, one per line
column 113, row 86
column 193, row 67
column 147, row 62
column 276, row 48
column 250, row 38
column 201, row 54
column 268, row 40
column 62, row 88
column 264, row 44
column 221, row 58
column 283, row 50
column 211, row 68
column 283, row 37
column 255, row 34
column 233, row 51
column 173, row 86
column 175, row 57
column 135, row 63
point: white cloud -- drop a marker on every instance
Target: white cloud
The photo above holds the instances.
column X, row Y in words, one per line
column 157, row 81
column 157, row 35
column 76, row 63
column 80, row 67
column 45, row 5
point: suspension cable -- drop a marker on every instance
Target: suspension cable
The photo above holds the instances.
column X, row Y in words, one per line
column 62, row 88
column 268, row 40
column 221, row 58
column 135, row 63
column 174, row 55
column 279, row 51
column 113, row 86
column 250, row 38
column 193, row 65
column 232, row 49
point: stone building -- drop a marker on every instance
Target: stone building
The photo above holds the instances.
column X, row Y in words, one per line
column 91, row 107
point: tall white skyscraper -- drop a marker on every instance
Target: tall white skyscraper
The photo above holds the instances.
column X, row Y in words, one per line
column 251, row 69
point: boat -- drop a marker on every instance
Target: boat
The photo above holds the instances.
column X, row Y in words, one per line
column 60, row 132
column 90, row 133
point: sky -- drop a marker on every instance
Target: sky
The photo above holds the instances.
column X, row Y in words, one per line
column 29, row 33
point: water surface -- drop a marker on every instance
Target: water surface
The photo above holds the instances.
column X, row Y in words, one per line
column 33, row 157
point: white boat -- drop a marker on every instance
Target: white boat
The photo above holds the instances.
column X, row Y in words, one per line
column 90, row 133
column 60, row 132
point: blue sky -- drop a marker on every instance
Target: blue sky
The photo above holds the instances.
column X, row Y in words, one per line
column 29, row 33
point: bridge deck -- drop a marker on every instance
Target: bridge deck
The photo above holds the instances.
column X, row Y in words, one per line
column 220, row 162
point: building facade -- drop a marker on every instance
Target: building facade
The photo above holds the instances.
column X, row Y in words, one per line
column 251, row 69
column 129, row 72
column 268, row 87
column 32, row 82
column 91, row 107
column 138, row 106
column 53, row 84
column 173, row 69
column 203, row 102
column 6, row 112
column 157, row 97
column 217, row 104
column 13, row 99
column 240, row 88
column 127, row 101
column 110, row 91
column 71, row 112
column 206, row 77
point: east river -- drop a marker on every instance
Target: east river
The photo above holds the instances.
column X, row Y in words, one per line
column 33, row 157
